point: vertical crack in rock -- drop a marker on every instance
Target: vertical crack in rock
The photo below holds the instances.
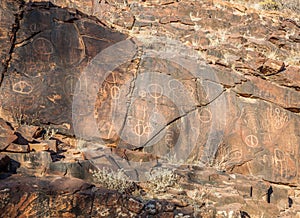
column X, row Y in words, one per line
column 15, row 29
column 131, row 91
column 92, row 201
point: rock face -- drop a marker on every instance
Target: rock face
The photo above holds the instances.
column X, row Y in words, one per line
column 207, row 193
column 145, row 84
column 51, row 47
column 6, row 135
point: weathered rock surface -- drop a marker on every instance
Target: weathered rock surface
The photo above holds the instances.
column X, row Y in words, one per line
column 7, row 135
column 199, row 193
column 52, row 46
column 143, row 84
column 4, row 162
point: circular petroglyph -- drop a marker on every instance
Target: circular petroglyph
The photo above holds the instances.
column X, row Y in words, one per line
column 42, row 46
column 251, row 141
column 154, row 108
column 22, row 87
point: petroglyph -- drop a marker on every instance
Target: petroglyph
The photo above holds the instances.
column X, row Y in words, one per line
column 205, row 115
column 43, row 46
column 115, row 92
column 155, row 91
column 280, row 162
column 22, row 87
column 107, row 131
column 278, row 118
column 249, row 118
column 251, row 141
column 169, row 139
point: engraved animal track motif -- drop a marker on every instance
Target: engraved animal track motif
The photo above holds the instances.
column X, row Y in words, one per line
column 107, row 130
column 142, row 127
column 278, row 118
column 70, row 85
column 114, row 89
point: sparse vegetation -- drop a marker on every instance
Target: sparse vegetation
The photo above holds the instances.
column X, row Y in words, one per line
column 49, row 133
column 270, row 5
column 201, row 194
column 172, row 159
column 18, row 117
column 115, row 180
column 280, row 5
column 160, row 179
column 293, row 5
column 222, row 159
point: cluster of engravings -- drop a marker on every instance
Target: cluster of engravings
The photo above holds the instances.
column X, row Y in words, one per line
column 156, row 111
column 45, row 66
column 59, row 47
column 150, row 110
column 276, row 164
column 251, row 126
column 259, row 128
column 45, row 44
column 268, row 137
column 152, row 98
column 278, row 118
column 108, row 97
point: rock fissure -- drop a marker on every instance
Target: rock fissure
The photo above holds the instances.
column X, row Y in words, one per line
column 27, row 40
column 14, row 30
column 130, row 94
column 251, row 96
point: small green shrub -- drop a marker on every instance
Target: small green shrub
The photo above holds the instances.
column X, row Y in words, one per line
column 49, row 133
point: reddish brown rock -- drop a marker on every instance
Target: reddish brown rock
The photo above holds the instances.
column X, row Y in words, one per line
column 4, row 162
column 9, row 10
column 56, row 56
column 33, row 162
column 271, row 67
column 28, row 132
column 44, row 145
column 39, row 147
column 7, row 135
column 134, row 205
column 242, row 55
column 290, row 77
column 17, row 148
column 60, row 196
column 243, row 118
